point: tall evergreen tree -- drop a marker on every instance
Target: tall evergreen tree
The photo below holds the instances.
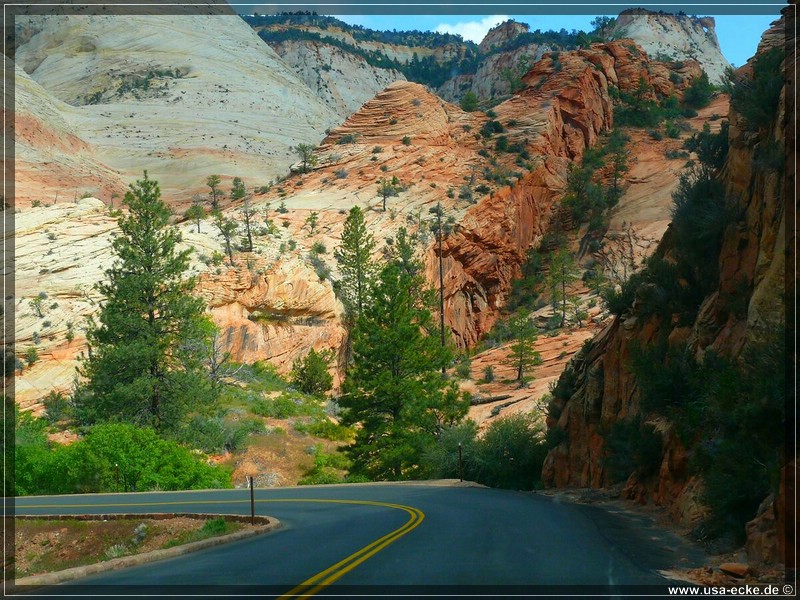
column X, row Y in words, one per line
column 619, row 155
column 306, row 154
column 149, row 345
column 247, row 212
column 563, row 272
column 213, row 182
column 394, row 389
column 195, row 213
column 387, row 188
column 356, row 267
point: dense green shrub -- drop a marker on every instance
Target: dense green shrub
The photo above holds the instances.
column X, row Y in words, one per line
column 286, row 405
column 440, row 460
column 711, row 148
column 469, row 102
column 565, row 386
column 215, row 434
column 322, row 427
column 111, row 457
column 491, row 127
column 511, row 453
column 757, row 99
column 698, row 94
column 700, row 214
column 57, row 407
column 730, row 415
column 619, row 301
column 310, row 374
column 632, row 447
column 327, row 468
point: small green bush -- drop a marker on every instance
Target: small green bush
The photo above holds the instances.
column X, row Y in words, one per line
column 511, row 453
column 464, row 368
column 310, row 374
column 469, row 102
column 699, row 92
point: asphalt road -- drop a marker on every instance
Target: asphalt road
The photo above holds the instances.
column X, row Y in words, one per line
column 372, row 540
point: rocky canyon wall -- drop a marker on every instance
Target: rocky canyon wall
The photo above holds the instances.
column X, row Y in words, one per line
column 604, row 391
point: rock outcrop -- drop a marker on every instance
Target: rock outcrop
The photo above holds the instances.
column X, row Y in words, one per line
column 676, row 37
column 504, row 32
column 52, row 161
column 562, row 111
column 684, row 42
column 342, row 80
column 603, row 390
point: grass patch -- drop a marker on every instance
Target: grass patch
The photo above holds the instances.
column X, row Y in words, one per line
column 211, row 528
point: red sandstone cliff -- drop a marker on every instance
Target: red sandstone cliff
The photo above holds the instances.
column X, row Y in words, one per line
column 753, row 257
column 563, row 110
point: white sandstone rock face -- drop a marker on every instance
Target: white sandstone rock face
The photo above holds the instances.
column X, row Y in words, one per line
column 679, row 37
column 180, row 96
column 61, row 251
column 53, row 163
column 343, row 81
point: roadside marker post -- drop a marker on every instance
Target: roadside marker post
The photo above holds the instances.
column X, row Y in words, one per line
column 460, row 466
column 252, row 503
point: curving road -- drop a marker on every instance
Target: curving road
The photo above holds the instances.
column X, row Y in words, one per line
column 391, row 539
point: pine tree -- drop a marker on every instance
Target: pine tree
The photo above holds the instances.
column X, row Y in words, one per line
column 523, row 356
column 563, row 272
column 469, row 102
column 356, row 268
column 147, row 361
column 213, row 182
column 247, row 212
column 310, row 374
column 195, row 213
column 386, row 188
column 619, row 164
column 227, row 229
column 306, row 154
column 394, row 389
column 238, row 190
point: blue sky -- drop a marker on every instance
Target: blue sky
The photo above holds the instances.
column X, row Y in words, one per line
column 738, row 34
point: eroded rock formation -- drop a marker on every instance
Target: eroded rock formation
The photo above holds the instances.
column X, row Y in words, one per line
column 605, row 391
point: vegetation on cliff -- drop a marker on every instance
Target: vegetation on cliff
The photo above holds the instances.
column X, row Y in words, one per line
column 721, row 404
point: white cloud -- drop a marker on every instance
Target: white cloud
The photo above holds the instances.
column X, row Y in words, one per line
column 472, row 30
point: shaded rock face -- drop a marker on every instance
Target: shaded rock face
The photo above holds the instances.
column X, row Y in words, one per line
column 606, row 392
column 678, row 37
column 489, row 80
column 52, row 160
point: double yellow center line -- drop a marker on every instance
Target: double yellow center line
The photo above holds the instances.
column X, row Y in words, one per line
column 323, row 579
